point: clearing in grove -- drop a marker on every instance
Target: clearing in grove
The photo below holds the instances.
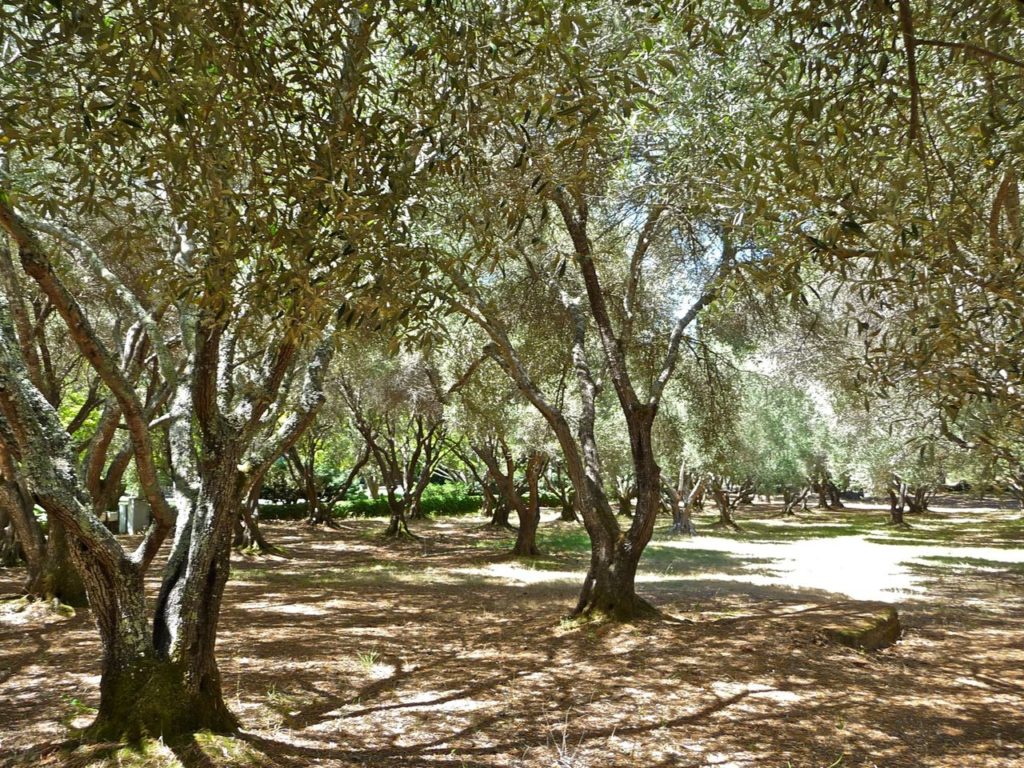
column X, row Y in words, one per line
column 349, row 651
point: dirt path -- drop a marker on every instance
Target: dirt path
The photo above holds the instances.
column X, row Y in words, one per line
column 352, row 652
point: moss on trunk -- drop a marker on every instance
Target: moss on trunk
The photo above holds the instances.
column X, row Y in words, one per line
column 149, row 697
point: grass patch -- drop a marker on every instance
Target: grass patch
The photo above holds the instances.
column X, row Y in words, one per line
column 789, row 529
column 978, row 563
column 676, row 560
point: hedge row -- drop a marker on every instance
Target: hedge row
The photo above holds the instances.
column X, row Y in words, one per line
column 440, row 500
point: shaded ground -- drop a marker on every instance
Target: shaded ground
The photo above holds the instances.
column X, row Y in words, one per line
column 447, row 653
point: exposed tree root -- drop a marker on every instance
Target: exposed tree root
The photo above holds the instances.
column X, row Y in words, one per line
column 726, row 524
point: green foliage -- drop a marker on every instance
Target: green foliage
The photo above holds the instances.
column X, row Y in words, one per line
column 439, row 499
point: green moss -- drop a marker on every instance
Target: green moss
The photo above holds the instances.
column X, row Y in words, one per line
column 149, row 699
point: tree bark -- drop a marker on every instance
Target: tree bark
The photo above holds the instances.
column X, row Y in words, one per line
column 58, row 578
column 726, row 504
column 529, row 511
column 897, row 502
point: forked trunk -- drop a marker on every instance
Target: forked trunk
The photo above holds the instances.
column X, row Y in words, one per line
column 248, row 534
column 918, row 500
column 821, row 489
column 897, row 503
column 188, row 608
column 397, row 523
column 834, row 499
column 610, row 587
column 726, row 505
column 792, row 499
column 609, row 591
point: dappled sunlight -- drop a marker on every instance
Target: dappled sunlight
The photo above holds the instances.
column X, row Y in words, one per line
column 847, row 565
column 353, row 652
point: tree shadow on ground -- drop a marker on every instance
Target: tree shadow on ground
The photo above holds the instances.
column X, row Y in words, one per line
column 354, row 653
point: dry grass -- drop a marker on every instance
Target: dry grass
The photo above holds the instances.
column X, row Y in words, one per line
column 351, row 651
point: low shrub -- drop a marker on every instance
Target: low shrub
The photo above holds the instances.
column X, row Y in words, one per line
column 438, row 499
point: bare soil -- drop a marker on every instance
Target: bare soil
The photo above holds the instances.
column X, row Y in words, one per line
column 350, row 651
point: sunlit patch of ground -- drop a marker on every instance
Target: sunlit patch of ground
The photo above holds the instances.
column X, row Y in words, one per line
column 446, row 652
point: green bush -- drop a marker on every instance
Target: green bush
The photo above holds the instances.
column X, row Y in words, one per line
column 291, row 511
column 439, row 499
column 364, row 507
column 548, row 499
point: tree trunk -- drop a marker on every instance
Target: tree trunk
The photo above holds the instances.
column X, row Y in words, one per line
column 312, row 496
column 683, row 502
column 248, row 534
column 397, row 524
column 142, row 692
column 529, row 511
column 897, row 503
column 609, row 591
column 566, row 496
column 625, row 506
column 792, row 499
column 324, row 514
column 500, row 513
column 918, row 500
column 10, row 550
column 610, row 588
column 625, row 491
column 372, row 485
column 833, row 496
column 188, row 608
column 58, row 578
column 567, row 511
column 821, row 489
column 725, row 505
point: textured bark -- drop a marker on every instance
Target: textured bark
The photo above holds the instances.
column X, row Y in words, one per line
column 609, row 588
column 918, row 499
column 188, row 607
column 897, row 501
column 58, row 578
column 685, row 496
column 793, row 498
column 503, row 471
column 726, row 503
column 529, row 510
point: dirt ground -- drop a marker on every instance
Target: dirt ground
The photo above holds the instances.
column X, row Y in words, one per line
column 349, row 651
